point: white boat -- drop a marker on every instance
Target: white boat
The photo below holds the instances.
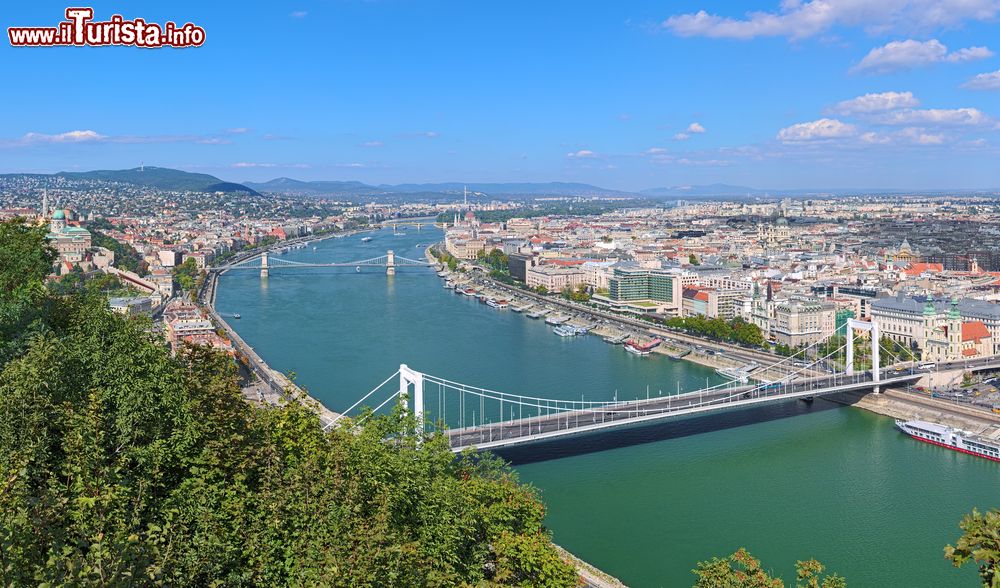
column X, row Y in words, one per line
column 568, row 331
column 950, row 438
column 492, row 302
column 365, row 239
column 556, row 320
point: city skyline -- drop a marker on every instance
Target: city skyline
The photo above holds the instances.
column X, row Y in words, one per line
column 796, row 95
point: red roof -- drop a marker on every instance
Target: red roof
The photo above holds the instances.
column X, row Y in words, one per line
column 974, row 331
column 916, row 269
column 969, row 352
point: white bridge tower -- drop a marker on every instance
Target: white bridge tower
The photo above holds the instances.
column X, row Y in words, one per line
column 872, row 328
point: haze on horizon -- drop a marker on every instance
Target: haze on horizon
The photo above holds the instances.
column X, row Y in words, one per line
column 832, row 94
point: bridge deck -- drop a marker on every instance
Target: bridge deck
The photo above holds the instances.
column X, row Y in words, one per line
column 643, row 411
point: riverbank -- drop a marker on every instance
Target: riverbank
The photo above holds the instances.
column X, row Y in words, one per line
column 678, row 346
column 901, row 404
column 272, row 387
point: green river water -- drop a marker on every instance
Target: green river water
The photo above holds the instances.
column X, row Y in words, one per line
column 790, row 481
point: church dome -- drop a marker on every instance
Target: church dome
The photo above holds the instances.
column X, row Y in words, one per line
column 58, row 215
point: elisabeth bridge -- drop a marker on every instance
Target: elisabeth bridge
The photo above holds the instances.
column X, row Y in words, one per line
column 479, row 418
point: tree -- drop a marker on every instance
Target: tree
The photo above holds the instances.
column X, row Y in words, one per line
column 693, row 259
column 126, row 465
column 25, row 261
column 126, row 257
column 186, row 274
column 980, row 542
column 742, row 570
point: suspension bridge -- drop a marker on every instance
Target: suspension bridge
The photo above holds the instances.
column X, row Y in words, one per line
column 265, row 263
column 476, row 417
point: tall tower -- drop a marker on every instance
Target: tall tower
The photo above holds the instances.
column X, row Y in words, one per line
column 45, row 203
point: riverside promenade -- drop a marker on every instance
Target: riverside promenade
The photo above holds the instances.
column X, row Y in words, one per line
column 273, row 386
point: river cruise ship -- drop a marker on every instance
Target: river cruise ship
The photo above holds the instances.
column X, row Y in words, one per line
column 954, row 439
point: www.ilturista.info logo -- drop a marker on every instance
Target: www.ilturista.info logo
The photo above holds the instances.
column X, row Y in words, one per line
column 79, row 29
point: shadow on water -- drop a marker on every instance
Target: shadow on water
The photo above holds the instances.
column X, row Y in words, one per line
column 671, row 429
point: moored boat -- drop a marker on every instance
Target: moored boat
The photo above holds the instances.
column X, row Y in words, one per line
column 950, row 438
column 641, row 349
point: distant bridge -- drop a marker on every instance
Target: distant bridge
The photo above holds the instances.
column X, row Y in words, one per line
column 475, row 417
column 265, row 263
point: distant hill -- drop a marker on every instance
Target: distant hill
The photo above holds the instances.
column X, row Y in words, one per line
column 702, row 190
column 162, row 178
column 288, row 185
column 538, row 188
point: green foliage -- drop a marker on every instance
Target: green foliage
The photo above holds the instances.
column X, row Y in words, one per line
column 75, row 281
column 124, row 465
column 736, row 330
column 578, row 294
column 448, row 259
column 742, row 570
column 980, row 542
column 541, row 289
column 186, row 274
column 25, row 261
column 495, row 259
column 126, row 257
column 693, row 259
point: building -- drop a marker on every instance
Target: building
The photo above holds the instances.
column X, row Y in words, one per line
column 71, row 243
column 712, row 302
column 519, row 263
column 633, row 288
column 555, row 278
column 132, row 306
column 803, row 322
column 936, row 329
column 169, row 258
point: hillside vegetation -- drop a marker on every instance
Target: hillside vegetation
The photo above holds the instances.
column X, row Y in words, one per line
column 123, row 465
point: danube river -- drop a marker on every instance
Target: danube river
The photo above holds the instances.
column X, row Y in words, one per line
column 788, row 482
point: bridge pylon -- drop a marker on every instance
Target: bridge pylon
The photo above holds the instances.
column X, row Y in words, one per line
column 263, row 265
column 390, row 263
column 408, row 377
column 871, row 327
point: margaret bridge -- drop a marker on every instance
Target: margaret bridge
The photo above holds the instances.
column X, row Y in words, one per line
column 480, row 418
column 265, row 263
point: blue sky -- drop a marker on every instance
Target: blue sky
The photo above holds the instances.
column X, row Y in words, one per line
column 625, row 94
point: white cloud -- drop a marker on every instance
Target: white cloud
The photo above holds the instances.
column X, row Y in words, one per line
column 911, row 54
column 352, row 165
column 984, row 81
column 936, row 117
column 655, row 151
column 373, row 144
column 870, row 103
column 695, row 128
column 238, row 131
column 89, row 136
column 251, row 164
column 822, row 129
column 298, row 14
column 795, row 19
column 919, row 136
column 681, row 137
column 582, row 154
column 67, row 137
column 872, row 138
column 210, row 141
